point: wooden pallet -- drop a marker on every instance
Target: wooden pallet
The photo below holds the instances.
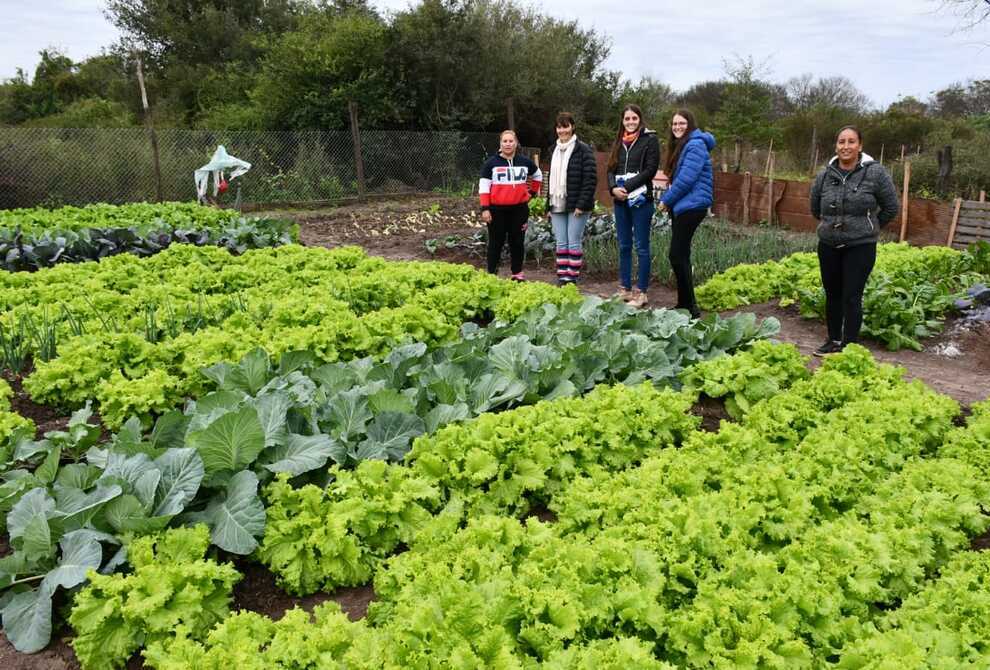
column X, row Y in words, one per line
column 972, row 224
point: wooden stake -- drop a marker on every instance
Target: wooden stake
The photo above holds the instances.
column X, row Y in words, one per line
column 881, row 154
column 156, row 159
column 902, row 154
column 769, row 154
column 955, row 220
column 904, row 201
column 814, row 148
column 983, row 196
column 770, row 206
column 356, row 139
column 747, row 185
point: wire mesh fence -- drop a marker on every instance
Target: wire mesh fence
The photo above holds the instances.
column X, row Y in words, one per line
column 55, row 166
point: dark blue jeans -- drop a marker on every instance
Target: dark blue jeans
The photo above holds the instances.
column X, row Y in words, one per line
column 633, row 223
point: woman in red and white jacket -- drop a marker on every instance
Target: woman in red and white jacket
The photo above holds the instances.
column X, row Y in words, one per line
column 507, row 183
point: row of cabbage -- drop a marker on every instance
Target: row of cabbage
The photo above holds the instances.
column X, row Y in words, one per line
column 827, row 527
column 907, row 296
column 31, row 239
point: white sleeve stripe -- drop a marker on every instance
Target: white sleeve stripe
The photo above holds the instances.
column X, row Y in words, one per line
column 538, row 175
column 484, row 185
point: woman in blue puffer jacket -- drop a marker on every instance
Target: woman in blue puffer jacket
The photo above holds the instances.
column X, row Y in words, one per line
column 692, row 186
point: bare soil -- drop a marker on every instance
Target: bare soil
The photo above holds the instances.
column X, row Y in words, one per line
column 258, row 592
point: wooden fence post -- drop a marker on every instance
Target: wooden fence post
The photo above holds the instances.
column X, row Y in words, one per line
column 747, row 185
column 983, row 196
column 358, row 159
column 955, row 221
column 770, row 203
column 904, row 201
column 769, row 154
column 156, row 159
column 813, row 154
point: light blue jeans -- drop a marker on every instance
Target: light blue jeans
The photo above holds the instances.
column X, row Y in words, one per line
column 568, row 231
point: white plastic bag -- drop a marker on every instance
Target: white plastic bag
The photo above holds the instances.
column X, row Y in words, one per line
column 220, row 162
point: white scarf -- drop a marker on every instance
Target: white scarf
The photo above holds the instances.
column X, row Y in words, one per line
column 558, row 174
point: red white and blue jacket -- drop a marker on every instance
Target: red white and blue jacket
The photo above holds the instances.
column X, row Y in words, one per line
column 506, row 183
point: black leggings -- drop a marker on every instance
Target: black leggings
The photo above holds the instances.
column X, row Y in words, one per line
column 681, row 233
column 507, row 222
column 844, row 275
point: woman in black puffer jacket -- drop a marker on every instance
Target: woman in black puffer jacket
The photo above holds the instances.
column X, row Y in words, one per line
column 852, row 198
column 570, row 196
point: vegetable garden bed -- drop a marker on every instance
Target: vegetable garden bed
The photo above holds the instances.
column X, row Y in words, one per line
column 515, row 477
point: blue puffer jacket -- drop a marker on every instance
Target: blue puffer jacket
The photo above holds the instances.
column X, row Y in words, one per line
column 694, row 185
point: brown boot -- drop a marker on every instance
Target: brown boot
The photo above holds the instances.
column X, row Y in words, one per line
column 638, row 299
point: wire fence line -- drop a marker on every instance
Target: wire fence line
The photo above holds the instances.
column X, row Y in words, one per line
column 56, row 166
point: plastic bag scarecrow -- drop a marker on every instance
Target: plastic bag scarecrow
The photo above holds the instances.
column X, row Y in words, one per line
column 220, row 163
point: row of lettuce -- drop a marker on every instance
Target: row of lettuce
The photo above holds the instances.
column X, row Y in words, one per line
column 907, row 298
column 827, row 526
column 31, row 239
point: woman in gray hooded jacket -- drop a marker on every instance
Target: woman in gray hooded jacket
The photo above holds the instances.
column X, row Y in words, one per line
column 852, row 198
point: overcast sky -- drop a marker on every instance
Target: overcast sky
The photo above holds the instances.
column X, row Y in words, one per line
column 889, row 48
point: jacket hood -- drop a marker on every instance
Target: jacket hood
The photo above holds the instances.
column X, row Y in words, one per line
column 864, row 158
column 707, row 138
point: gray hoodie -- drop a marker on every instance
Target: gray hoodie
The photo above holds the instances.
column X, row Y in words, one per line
column 852, row 208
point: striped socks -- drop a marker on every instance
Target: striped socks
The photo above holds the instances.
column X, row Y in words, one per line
column 569, row 264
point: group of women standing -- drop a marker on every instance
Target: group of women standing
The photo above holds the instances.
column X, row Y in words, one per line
column 509, row 180
column 852, row 198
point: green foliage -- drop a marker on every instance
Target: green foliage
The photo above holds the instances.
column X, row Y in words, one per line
column 943, row 625
column 319, row 539
column 747, row 377
column 837, row 543
column 172, row 591
column 325, row 639
column 134, row 333
column 31, row 239
column 311, row 74
column 909, row 292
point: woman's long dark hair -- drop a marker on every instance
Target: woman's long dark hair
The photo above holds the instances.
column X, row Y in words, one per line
column 613, row 156
column 675, row 146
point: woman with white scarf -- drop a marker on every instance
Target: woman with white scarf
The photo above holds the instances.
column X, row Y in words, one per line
column 570, row 197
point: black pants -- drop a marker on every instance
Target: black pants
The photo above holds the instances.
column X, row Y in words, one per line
column 844, row 274
column 681, row 233
column 507, row 222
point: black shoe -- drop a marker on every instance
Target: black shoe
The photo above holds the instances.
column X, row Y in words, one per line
column 830, row 346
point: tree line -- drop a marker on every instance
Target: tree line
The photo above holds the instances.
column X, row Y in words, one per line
column 440, row 64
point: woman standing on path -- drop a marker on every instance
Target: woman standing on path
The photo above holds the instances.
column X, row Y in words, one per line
column 852, row 198
column 632, row 163
column 507, row 183
column 692, row 187
column 570, row 197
